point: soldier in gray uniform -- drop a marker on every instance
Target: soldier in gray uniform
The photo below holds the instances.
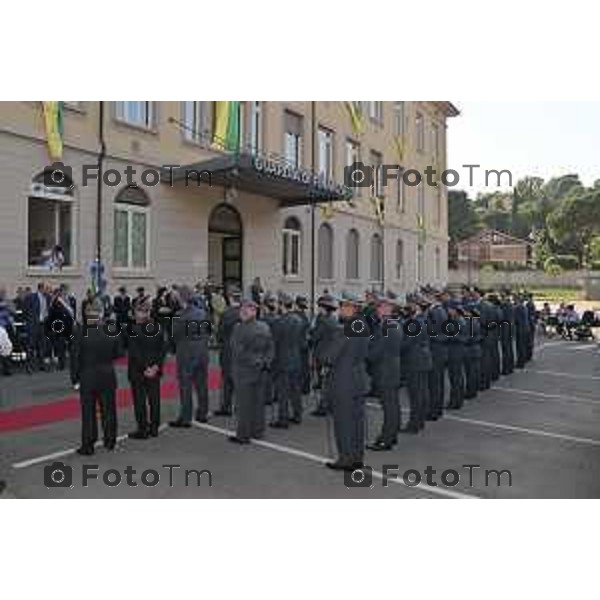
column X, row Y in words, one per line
column 269, row 315
column 384, row 359
column 348, row 387
column 438, row 340
column 456, row 352
column 417, row 360
column 288, row 337
column 507, row 330
column 488, row 315
column 494, row 333
column 231, row 317
column 472, row 354
column 191, row 332
column 320, row 336
column 301, row 311
column 252, row 352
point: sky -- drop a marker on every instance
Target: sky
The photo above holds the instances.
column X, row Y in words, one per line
column 545, row 139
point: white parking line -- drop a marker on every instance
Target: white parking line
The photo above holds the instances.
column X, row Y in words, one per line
column 559, row 397
column 447, row 493
column 516, row 429
column 62, row 453
column 527, row 430
column 560, row 374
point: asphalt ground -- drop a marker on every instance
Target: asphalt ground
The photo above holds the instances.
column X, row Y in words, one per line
column 542, row 425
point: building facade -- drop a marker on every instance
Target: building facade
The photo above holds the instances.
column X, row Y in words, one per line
column 491, row 246
column 275, row 207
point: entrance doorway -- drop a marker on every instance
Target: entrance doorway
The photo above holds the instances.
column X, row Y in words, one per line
column 225, row 246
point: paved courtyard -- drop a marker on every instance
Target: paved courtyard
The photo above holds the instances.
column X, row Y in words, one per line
column 541, row 424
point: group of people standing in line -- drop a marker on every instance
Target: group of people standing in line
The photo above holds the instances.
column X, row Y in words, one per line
column 273, row 352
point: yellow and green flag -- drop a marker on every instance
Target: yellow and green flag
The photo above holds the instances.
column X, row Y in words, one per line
column 53, row 122
column 226, row 134
column 356, row 117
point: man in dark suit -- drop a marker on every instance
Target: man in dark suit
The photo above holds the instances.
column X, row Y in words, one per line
column 92, row 369
column 37, row 305
column 191, row 332
column 146, row 355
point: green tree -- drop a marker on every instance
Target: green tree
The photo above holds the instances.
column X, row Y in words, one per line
column 463, row 221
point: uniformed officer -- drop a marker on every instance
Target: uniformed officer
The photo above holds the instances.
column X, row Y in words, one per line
column 531, row 312
column 301, row 311
column 487, row 322
column 507, row 332
column 269, row 315
column 231, row 317
column 495, row 333
column 92, row 356
column 252, row 352
column 436, row 318
column 522, row 331
column 191, row 332
column 146, row 349
column 288, row 337
column 473, row 352
column 457, row 332
column 416, row 357
column 347, row 356
column 321, row 335
column 385, row 347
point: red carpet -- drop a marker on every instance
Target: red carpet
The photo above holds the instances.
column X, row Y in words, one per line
column 64, row 409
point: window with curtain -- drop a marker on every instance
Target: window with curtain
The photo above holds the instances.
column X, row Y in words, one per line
column 130, row 230
column 292, row 237
column 294, row 125
column 140, row 113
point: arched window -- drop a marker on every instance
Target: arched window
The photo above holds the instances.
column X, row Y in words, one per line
column 399, row 259
column 50, row 222
column 292, row 245
column 376, row 258
column 325, row 245
column 352, row 255
column 131, row 240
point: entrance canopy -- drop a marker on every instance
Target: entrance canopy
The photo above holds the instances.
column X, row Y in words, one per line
column 258, row 174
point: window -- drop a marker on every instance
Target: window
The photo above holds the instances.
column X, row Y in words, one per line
column 375, row 109
column 376, row 258
column 256, row 133
column 435, row 133
column 399, row 118
column 353, row 156
column 194, row 114
column 353, row 255
column 399, row 259
column 326, row 153
column 131, row 239
column 294, row 125
column 325, row 245
column 50, row 225
column 291, row 247
column 376, row 162
column 437, row 265
column 420, row 127
column 136, row 113
column 420, row 264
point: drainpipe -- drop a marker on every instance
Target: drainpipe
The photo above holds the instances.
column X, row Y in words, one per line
column 101, row 156
column 313, row 119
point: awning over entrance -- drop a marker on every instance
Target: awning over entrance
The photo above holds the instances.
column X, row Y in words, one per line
column 261, row 175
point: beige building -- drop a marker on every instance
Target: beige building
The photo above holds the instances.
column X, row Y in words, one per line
column 254, row 219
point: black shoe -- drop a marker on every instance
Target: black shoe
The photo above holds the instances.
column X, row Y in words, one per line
column 319, row 412
column 222, row 412
column 278, row 425
column 296, row 420
column 110, row 445
column 341, row 466
column 236, row 440
column 85, row 450
column 180, row 423
column 410, row 428
column 380, row 446
column 138, row 434
column 153, row 431
column 201, row 418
